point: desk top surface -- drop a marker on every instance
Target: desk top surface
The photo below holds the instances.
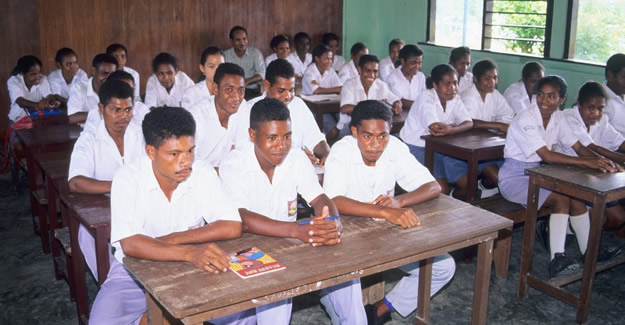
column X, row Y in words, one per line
column 54, row 164
column 40, row 136
column 585, row 178
column 93, row 210
column 474, row 139
column 185, row 290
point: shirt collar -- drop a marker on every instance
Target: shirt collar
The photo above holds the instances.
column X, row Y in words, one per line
column 149, row 182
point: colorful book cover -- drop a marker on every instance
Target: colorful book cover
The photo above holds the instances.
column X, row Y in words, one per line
column 252, row 262
column 43, row 111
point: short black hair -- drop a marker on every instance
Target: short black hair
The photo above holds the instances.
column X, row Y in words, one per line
column 121, row 75
column 482, row 66
column 227, row 68
column 267, row 110
column 395, row 41
column 61, row 53
column 300, row 36
column 279, row 68
column 276, row 40
column 319, row 50
column 590, row 89
column 328, row 37
column 164, row 58
column 370, row 110
column 437, row 73
column 615, row 64
column 235, row 29
column 101, row 58
column 114, row 89
column 25, row 63
column 357, row 47
column 114, row 47
column 211, row 50
column 165, row 122
column 366, row 59
column 530, row 68
column 553, row 80
column 458, row 53
column 409, row 51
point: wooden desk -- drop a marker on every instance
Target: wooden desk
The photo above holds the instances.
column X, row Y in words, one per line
column 182, row 291
column 585, row 184
column 49, row 120
column 473, row 146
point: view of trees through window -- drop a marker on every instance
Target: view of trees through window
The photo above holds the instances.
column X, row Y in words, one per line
column 600, row 30
column 518, row 26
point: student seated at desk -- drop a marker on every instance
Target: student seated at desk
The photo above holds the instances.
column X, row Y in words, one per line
column 360, row 177
column 531, row 137
column 265, row 177
column 519, row 94
column 438, row 111
column 366, row 86
column 67, row 73
column 160, row 208
column 460, row 59
column 28, row 88
column 300, row 58
column 332, row 41
column 614, row 86
column 167, row 85
column 350, row 70
column 280, row 84
column 248, row 58
column 407, row 81
column 83, row 96
column 489, row 110
column 388, row 64
column 120, row 53
column 97, row 155
column 211, row 58
column 281, row 49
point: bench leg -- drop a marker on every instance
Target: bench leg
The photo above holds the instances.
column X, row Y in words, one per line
column 372, row 288
column 501, row 253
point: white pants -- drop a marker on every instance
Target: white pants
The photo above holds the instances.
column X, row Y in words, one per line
column 343, row 302
column 86, row 241
column 404, row 296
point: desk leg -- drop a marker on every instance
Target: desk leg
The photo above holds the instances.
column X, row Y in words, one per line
column 102, row 253
column 472, row 174
column 482, row 282
column 590, row 263
column 80, row 284
column 429, row 157
column 155, row 313
column 54, row 224
column 425, row 289
column 529, row 236
column 32, row 186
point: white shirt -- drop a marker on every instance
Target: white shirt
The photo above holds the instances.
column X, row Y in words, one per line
column 251, row 62
column 58, row 85
column 427, row 109
column 347, row 175
column 195, row 93
column 139, row 206
column 304, row 128
column 137, row 79
column 139, row 110
column 95, row 155
column 601, row 133
column 353, row 92
column 465, row 82
column 243, row 178
column 348, row 71
column 386, row 67
column 339, row 62
column 615, row 109
column 517, row 97
column 329, row 79
column 17, row 88
column 494, row 108
column 212, row 141
column 82, row 97
column 270, row 58
column 403, row 88
column 526, row 134
column 157, row 95
column 297, row 63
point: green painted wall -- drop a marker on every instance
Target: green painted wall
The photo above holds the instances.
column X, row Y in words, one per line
column 376, row 22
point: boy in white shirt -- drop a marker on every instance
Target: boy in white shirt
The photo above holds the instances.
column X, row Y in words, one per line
column 361, row 173
column 614, row 86
column 319, row 77
column 159, row 208
column 460, row 59
column 167, row 85
column 519, row 94
column 120, row 53
column 68, row 73
column 387, row 65
column 407, row 81
column 98, row 155
column 211, row 58
column 349, row 69
column 83, row 96
column 332, row 41
column 300, row 58
column 266, row 178
column 281, row 49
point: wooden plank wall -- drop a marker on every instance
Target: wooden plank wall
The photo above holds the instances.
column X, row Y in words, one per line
column 147, row 27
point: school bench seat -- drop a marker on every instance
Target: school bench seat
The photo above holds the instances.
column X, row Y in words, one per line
column 64, row 266
column 41, row 222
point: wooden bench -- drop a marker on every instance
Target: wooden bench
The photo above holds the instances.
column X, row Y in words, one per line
column 64, row 267
column 40, row 201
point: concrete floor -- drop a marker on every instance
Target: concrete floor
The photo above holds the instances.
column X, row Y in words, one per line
column 29, row 294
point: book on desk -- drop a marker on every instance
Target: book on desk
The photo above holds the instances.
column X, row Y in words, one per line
column 252, row 262
column 32, row 112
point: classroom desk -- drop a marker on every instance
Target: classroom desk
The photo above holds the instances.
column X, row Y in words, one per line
column 49, row 120
column 473, row 146
column 586, row 184
column 182, row 291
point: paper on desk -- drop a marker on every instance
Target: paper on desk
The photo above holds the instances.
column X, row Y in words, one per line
column 322, row 98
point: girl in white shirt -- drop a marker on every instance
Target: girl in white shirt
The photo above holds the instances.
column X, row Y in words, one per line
column 120, row 53
column 320, row 78
column 332, row 41
column 67, row 74
column 460, row 59
column 167, row 85
column 211, row 58
column 519, row 94
column 281, row 49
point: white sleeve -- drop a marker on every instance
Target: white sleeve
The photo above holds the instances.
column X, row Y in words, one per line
column 334, row 182
column 44, row 87
column 124, row 222
column 15, row 90
column 461, row 114
column 524, row 132
column 151, row 92
column 259, row 64
column 610, row 138
column 425, row 112
column 82, row 161
column 393, row 84
column 409, row 172
column 308, row 88
column 504, row 112
column 347, row 94
column 388, row 94
column 578, row 129
column 308, row 183
column 234, row 185
column 218, row 205
column 55, row 86
column 76, row 99
column 311, row 136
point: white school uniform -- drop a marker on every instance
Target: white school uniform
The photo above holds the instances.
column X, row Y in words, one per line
column 137, row 79
column 601, row 133
column 386, row 67
column 465, row 82
column 339, row 62
column 157, row 95
column 615, row 109
column 17, row 88
column 58, row 85
column 353, row 92
column 212, row 141
column 270, row 58
column 494, row 108
column 404, row 88
column 138, row 206
column 347, row 175
column 427, row 110
column 517, row 96
column 139, row 110
column 243, row 178
column 297, row 63
column 329, row 79
column 82, row 98
column 348, row 71
column 304, row 128
column 195, row 93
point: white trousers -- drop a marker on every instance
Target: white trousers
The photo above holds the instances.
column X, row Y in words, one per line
column 86, row 241
column 343, row 302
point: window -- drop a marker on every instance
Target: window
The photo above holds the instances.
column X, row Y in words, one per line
column 457, row 23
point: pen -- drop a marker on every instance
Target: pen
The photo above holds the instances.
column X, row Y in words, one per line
column 307, row 222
